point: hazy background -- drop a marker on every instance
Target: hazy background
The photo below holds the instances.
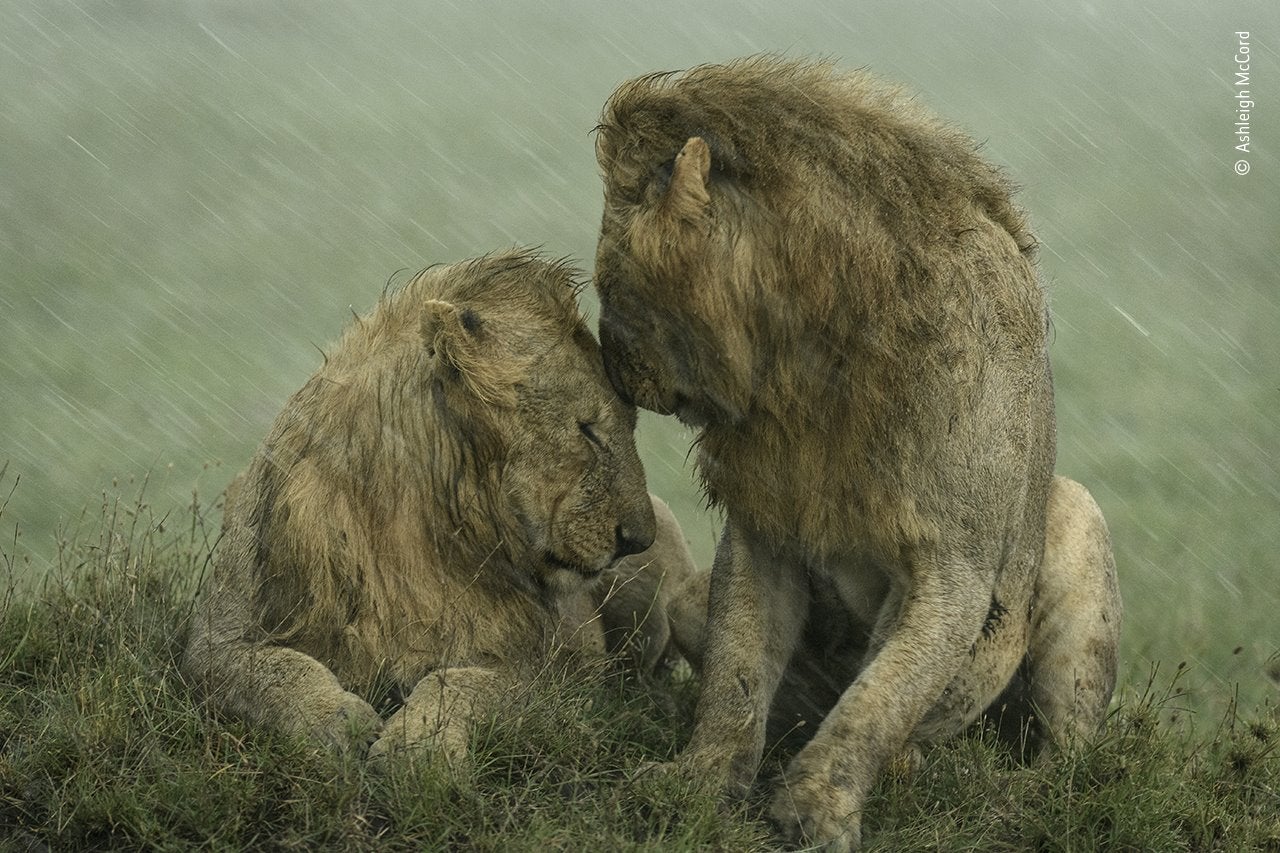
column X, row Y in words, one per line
column 192, row 194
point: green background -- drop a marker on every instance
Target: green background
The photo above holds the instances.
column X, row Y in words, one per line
column 194, row 195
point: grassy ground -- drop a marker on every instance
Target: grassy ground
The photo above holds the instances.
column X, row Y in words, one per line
column 103, row 746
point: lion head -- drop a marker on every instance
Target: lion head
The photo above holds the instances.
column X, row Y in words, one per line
column 517, row 380
column 759, row 217
column 676, row 350
column 467, row 421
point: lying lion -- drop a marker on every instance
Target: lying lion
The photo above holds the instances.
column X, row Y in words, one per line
column 451, row 498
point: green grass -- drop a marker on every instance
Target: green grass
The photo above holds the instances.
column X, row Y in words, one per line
column 103, row 746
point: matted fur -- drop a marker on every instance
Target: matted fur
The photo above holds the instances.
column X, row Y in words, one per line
column 841, row 293
column 440, row 507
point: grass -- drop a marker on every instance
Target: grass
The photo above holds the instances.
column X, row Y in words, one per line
column 103, row 746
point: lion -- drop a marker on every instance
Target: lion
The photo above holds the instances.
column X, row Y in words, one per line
column 453, row 498
column 842, row 297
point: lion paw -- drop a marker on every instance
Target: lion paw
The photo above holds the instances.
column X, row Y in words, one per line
column 351, row 727
column 694, row 776
column 811, row 810
column 408, row 733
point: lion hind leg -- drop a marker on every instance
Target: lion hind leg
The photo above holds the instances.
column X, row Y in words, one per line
column 1071, row 663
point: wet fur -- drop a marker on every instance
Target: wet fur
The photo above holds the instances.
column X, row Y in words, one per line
column 421, row 523
column 842, row 295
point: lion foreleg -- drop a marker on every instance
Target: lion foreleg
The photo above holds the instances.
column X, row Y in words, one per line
column 280, row 688
column 232, row 661
column 656, row 604
column 756, row 609
column 687, row 615
column 440, row 715
column 825, row 786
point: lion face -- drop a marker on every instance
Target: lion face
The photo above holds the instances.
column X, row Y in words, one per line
column 572, row 473
column 523, row 380
column 672, row 328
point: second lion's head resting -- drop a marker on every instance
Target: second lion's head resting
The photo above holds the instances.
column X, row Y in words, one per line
column 467, row 416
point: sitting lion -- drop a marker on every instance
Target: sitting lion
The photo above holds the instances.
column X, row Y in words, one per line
column 842, row 296
column 442, row 505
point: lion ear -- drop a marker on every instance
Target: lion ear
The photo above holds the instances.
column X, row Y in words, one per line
column 687, row 194
column 458, row 347
column 444, row 331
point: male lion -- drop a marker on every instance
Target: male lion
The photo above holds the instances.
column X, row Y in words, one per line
column 427, row 517
column 842, row 295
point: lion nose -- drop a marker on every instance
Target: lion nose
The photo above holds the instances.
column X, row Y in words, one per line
column 630, row 541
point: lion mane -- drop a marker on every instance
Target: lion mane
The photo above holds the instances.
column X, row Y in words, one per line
column 446, row 502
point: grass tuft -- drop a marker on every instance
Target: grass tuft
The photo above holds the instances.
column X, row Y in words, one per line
column 1150, row 782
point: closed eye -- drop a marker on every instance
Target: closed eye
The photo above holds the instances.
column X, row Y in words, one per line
column 589, row 430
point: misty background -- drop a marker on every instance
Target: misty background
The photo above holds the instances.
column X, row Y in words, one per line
column 195, row 195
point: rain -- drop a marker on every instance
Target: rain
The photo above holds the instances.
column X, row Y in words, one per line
column 196, row 194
